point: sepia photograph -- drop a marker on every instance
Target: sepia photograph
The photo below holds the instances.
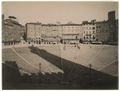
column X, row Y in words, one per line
column 62, row 45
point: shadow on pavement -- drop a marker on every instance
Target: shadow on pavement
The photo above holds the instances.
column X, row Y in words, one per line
column 78, row 74
column 75, row 75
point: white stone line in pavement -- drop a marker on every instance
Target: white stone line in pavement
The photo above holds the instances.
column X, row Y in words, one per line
column 11, row 46
column 23, row 58
column 106, row 65
column 98, row 52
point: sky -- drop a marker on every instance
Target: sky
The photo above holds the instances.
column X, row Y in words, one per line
column 52, row 12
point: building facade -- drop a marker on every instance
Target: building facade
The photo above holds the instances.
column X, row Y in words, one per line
column 71, row 33
column 93, row 31
column 33, row 33
column 38, row 33
column 50, row 34
column 89, row 31
column 107, row 31
column 102, row 31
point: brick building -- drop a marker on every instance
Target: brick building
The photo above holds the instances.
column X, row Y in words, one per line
column 106, row 31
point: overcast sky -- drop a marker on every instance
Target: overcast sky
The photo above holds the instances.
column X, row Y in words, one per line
column 51, row 12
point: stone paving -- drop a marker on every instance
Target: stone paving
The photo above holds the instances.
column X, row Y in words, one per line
column 101, row 57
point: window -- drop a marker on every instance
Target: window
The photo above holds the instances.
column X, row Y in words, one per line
column 93, row 28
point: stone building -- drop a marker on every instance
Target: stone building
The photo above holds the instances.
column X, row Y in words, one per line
column 93, row 31
column 38, row 33
column 52, row 33
column 33, row 33
column 89, row 31
column 71, row 33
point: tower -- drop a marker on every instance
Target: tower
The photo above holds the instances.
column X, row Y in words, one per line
column 112, row 25
column 111, row 15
